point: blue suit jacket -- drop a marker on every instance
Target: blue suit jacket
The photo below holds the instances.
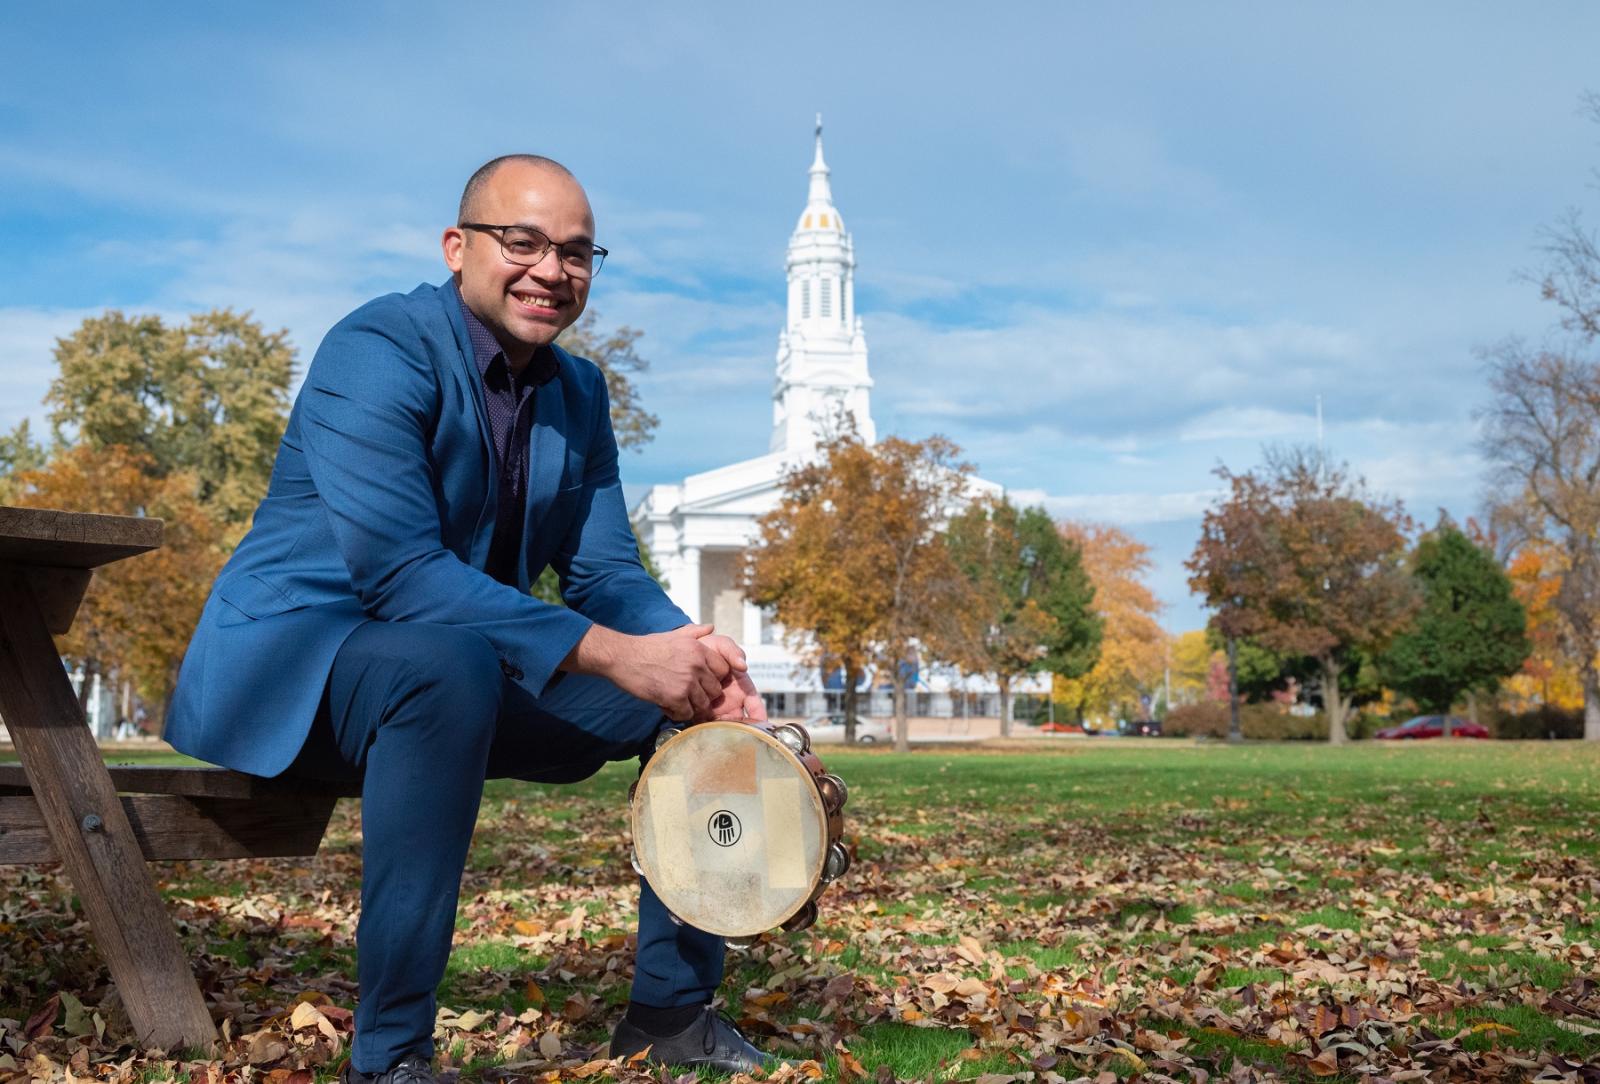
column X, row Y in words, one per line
column 381, row 507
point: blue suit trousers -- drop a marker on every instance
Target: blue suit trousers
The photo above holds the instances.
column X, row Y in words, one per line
column 423, row 714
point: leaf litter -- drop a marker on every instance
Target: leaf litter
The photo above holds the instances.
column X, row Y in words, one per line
column 1198, row 947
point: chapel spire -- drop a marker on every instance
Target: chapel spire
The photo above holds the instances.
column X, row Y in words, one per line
column 822, row 354
column 819, row 201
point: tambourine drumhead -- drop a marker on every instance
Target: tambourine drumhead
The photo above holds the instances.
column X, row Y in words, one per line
column 729, row 829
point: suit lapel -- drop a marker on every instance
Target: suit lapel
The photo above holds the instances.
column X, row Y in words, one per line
column 471, row 386
column 547, row 454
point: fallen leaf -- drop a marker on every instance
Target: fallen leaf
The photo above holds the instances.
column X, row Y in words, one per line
column 43, row 1018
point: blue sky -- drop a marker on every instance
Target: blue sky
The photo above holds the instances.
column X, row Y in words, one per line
column 1103, row 247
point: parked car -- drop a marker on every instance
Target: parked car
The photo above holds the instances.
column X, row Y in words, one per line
column 829, row 729
column 1060, row 728
column 1432, row 726
column 1141, row 728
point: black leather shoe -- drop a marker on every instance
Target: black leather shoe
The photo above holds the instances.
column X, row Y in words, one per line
column 710, row 1041
column 414, row 1069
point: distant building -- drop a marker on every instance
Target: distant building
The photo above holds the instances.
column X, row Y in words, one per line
column 697, row 529
column 100, row 709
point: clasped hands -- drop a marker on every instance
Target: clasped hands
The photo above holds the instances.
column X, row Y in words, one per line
column 692, row 673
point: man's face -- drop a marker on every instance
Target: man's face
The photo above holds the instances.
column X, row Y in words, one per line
column 525, row 307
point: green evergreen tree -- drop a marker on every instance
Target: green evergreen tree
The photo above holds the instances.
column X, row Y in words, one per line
column 18, row 453
column 1470, row 633
column 1031, row 605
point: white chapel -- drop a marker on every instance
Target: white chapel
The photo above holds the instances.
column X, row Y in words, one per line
column 697, row 529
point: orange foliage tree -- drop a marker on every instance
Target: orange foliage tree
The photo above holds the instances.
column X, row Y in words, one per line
column 849, row 560
column 1302, row 560
column 1133, row 648
column 1551, row 673
column 139, row 613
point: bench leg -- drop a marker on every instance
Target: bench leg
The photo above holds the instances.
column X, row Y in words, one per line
column 91, row 832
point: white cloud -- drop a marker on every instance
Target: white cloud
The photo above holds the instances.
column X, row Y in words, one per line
column 1247, row 423
column 1103, row 373
column 1123, row 509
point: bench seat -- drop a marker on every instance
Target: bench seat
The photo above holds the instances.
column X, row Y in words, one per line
column 186, row 813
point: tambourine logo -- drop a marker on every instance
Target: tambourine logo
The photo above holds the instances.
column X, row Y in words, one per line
column 724, row 828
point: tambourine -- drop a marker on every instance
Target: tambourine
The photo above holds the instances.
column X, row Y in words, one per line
column 738, row 827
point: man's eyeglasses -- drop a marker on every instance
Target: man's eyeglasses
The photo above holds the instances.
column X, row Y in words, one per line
column 527, row 246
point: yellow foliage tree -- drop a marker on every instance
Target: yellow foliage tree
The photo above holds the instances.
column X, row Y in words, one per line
column 1551, row 675
column 1192, row 659
column 1133, row 649
column 139, row 613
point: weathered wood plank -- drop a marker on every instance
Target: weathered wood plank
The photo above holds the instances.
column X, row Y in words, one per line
column 59, row 592
column 90, row 831
column 47, row 536
column 201, row 782
column 176, row 827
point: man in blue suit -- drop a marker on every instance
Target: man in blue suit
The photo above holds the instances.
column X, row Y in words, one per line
column 376, row 620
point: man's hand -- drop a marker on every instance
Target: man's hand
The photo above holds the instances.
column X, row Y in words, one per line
column 739, row 699
column 691, row 673
column 673, row 670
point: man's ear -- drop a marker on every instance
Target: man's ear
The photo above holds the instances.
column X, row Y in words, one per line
column 452, row 243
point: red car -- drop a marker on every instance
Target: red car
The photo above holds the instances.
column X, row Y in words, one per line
column 1432, row 726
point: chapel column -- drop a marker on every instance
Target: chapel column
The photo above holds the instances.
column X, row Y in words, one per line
column 687, row 583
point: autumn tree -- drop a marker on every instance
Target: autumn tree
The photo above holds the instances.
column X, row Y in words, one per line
column 1191, row 657
column 18, row 452
column 210, row 399
column 1260, row 671
column 138, row 614
column 1133, row 646
column 1030, row 599
column 1470, row 631
column 614, row 352
column 1542, row 433
column 1550, row 674
column 1300, row 558
column 848, row 559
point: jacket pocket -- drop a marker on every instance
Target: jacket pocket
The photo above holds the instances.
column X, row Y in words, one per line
column 255, row 597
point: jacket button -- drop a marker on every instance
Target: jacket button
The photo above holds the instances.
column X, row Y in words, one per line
column 510, row 671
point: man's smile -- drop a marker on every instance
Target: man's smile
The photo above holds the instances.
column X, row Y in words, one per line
column 534, row 304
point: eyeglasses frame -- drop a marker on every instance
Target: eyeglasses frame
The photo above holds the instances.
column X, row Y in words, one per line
column 598, row 251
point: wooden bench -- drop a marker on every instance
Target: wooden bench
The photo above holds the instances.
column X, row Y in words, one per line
column 62, row 804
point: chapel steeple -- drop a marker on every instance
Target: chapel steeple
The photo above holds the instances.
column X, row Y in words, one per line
column 822, row 353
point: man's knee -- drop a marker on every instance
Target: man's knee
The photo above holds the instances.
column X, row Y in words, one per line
column 440, row 675
column 461, row 670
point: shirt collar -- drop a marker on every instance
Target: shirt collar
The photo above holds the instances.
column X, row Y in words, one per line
column 486, row 349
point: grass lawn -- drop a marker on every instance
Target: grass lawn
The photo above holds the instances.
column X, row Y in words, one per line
column 1157, row 911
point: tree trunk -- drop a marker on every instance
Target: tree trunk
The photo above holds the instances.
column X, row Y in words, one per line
column 851, row 680
column 1005, row 707
column 1235, row 728
column 1591, row 702
column 89, row 669
column 1332, row 702
column 902, row 720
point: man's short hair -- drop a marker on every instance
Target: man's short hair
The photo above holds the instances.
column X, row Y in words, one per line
column 480, row 178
